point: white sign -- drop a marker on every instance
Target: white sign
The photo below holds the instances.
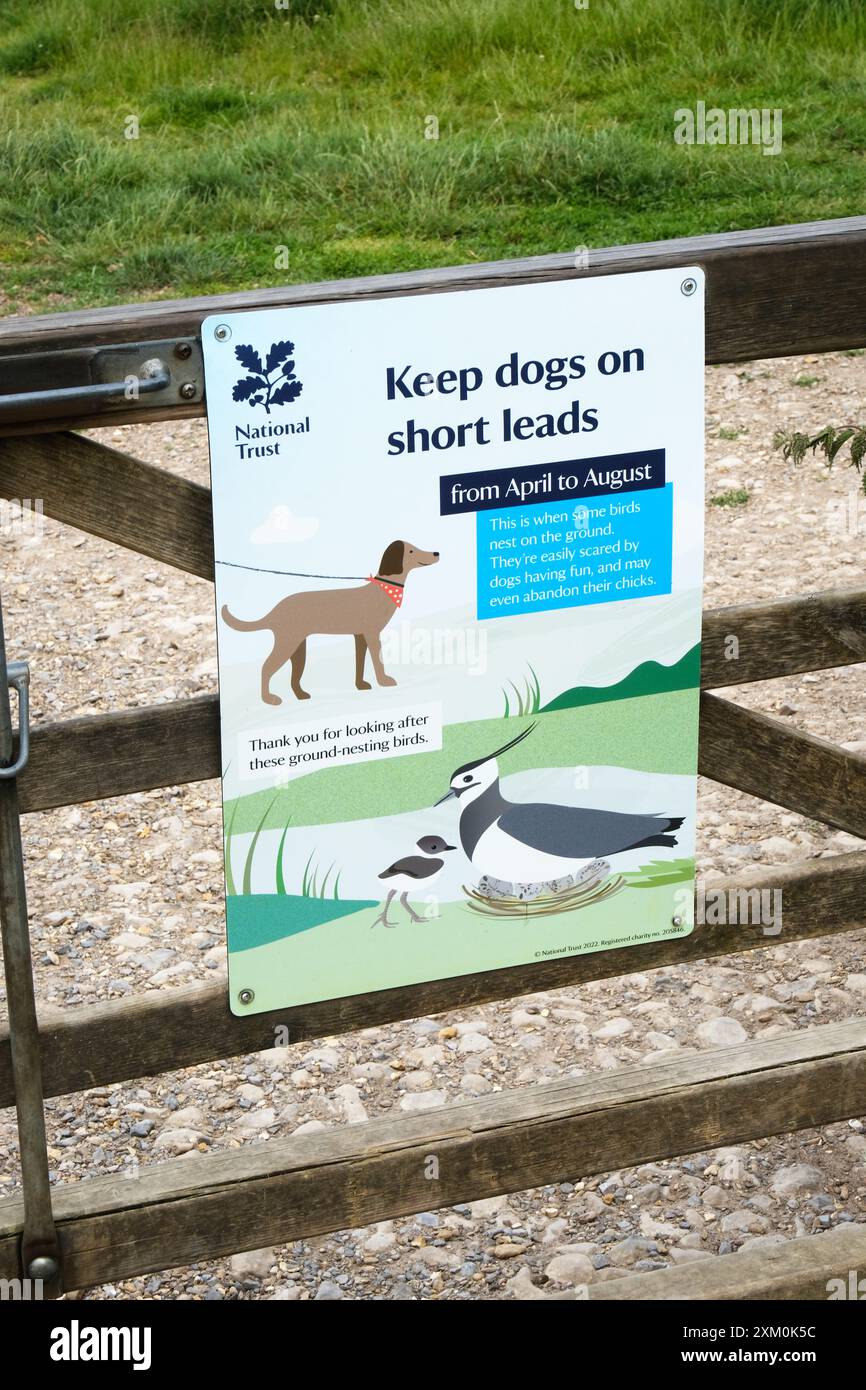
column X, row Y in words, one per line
column 459, row 545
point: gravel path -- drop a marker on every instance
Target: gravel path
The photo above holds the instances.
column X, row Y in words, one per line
column 126, row 896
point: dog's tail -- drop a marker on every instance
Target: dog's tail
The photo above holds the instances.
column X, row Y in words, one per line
column 240, row 626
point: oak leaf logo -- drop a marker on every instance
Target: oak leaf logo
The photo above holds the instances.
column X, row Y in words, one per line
column 274, row 383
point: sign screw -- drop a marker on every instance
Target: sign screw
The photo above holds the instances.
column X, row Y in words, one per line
column 183, row 350
column 689, row 286
column 246, row 996
column 187, row 390
column 222, row 332
column 677, row 921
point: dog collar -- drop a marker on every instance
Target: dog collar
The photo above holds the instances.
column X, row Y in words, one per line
column 393, row 590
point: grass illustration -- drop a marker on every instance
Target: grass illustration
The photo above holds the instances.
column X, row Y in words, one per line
column 312, row 888
column 660, row 872
column 281, row 882
column 525, row 701
column 231, row 889
column 248, row 866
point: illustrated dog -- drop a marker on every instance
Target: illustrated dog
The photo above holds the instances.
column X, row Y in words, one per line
column 359, row 612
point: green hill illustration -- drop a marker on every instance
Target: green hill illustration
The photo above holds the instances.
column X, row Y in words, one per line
column 650, row 678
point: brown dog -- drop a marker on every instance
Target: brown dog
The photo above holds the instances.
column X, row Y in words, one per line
column 361, row 613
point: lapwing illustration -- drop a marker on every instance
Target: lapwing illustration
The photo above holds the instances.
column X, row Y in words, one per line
column 536, row 842
column 414, row 872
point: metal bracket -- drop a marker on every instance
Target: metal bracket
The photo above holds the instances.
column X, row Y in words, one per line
column 18, row 678
column 51, row 385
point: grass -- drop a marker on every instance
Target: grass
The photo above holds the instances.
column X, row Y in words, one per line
column 661, row 871
column 311, row 887
column 296, row 138
column 736, row 497
column 521, row 702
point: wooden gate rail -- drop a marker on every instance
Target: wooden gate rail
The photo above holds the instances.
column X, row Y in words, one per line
column 800, row 1268
column 770, row 292
column 101, row 756
column 163, row 1030
column 199, row 1208
column 96, row 756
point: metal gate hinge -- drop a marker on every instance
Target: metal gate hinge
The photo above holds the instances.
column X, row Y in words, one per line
column 51, row 385
column 18, row 675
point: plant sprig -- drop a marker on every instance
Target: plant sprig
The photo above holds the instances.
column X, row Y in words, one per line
column 828, row 441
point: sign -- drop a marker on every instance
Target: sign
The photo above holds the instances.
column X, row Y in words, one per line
column 459, row 543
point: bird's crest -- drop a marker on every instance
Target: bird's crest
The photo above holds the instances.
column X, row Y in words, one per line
column 467, row 767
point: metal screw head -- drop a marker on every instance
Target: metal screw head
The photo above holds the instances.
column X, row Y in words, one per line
column 689, row 286
column 187, row 390
column 44, row 1268
column 677, row 921
column 183, row 350
column 246, row 996
column 222, row 332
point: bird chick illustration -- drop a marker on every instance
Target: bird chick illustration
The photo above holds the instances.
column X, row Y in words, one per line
column 414, row 872
column 534, row 842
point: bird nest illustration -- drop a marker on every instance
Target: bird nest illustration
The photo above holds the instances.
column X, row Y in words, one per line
column 495, row 898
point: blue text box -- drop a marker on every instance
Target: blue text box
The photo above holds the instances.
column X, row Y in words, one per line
column 533, row 559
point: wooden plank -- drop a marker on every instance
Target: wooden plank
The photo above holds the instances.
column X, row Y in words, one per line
column 783, row 636
column 772, row 291
column 800, row 1268
column 92, row 757
column 113, row 495
column 765, row 757
column 97, row 756
column 117, row 1040
column 290, row 1189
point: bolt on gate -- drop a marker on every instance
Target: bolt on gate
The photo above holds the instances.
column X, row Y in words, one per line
column 771, row 292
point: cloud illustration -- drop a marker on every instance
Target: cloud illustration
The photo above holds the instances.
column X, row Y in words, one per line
column 283, row 525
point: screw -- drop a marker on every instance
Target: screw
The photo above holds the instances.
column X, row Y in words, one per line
column 44, row 1267
column 689, row 286
column 677, row 921
column 222, row 332
column 246, row 996
column 183, row 350
column 187, row 390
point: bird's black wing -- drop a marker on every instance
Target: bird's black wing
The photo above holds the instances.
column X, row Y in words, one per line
column 413, row 866
column 576, row 832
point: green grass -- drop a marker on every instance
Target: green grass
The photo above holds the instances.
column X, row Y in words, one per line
column 736, row 497
column 263, row 129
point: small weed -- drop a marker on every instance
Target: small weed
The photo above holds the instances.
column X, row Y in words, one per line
column 725, row 432
column 736, row 497
column 805, row 380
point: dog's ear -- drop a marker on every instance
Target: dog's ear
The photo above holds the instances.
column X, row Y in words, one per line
column 392, row 560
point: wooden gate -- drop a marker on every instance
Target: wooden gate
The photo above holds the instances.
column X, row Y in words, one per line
column 769, row 293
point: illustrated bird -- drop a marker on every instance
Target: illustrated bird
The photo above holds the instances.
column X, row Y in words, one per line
column 535, row 842
column 414, row 872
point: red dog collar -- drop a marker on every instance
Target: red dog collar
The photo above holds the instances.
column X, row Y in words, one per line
column 394, row 591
